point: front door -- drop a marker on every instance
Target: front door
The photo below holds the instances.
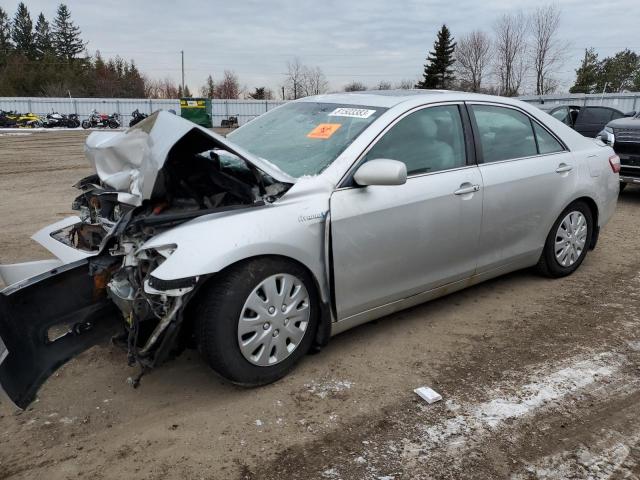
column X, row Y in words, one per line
column 391, row 242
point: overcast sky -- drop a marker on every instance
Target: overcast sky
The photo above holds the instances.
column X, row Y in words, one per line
column 361, row 40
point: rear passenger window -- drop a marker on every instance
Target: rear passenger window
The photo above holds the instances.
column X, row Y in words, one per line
column 505, row 133
column 546, row 142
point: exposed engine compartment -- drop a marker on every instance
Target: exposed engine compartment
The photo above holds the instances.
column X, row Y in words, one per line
column 196, row 179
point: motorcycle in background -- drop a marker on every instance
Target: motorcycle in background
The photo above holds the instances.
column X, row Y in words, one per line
column 7, row 120
column 25, row 120
column 55, row 119
column 101, row 120
column 137, row 117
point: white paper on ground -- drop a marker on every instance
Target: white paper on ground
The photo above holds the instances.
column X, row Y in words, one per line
column 427, row 394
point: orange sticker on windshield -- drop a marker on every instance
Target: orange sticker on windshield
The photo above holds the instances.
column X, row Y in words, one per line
column 324, row 130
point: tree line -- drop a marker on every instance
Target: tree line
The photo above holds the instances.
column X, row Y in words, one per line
column 617, row 73
column 520, row 52
column 48, row 58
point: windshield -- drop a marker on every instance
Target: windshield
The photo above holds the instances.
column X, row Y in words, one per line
column 303, row 138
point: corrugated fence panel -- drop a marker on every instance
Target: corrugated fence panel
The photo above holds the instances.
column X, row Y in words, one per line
column 624, row 102
column 245, row 110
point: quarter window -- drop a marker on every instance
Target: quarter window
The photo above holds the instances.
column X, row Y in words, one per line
column 429, row 140
column 505, row 133
column 546, row 142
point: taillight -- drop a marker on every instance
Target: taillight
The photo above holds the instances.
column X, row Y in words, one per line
column 614, row 161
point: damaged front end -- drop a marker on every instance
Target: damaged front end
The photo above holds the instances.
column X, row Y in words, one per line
column 159, row 174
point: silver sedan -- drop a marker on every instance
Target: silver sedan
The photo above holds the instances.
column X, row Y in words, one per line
column 318, row 216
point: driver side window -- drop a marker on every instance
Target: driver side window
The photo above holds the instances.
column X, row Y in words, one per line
column 429, row 140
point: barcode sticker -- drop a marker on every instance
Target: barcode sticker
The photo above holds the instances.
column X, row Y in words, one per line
column 352, row 112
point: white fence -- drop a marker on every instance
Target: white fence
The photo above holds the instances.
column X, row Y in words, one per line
column 625, row 102
column 245, row 110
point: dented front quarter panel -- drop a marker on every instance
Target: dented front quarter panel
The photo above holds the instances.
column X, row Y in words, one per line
column 292, row 227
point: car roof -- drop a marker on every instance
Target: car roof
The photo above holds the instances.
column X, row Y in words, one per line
column 391, row 98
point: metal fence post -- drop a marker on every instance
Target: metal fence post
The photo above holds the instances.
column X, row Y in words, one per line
column 635, row 101
column 150, row 106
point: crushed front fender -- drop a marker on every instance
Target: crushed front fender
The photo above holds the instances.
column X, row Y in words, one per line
column 47, row 320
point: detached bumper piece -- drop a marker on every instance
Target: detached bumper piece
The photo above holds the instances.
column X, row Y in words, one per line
column 46, row 321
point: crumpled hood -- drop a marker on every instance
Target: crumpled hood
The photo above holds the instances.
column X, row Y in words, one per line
column 129, row 161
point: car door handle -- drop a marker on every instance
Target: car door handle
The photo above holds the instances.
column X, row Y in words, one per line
column 466, row 188
column 563, row 167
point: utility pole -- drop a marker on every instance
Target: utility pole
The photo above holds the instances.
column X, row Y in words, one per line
column 182, row 55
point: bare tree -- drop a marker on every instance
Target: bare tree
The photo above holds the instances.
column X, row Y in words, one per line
column 510, row 52
column 313, row 81
column 355, row 86
column 405, row 84
column 473, row 56
column 303, row 81
column 165, row 88
column 229, row 86
column 295, row 78
column 547, row 51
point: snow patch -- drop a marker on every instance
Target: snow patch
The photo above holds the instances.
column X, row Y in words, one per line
column 543, row 389
column 323, row 390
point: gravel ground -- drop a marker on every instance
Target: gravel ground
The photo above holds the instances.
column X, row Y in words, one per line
column 540, row 378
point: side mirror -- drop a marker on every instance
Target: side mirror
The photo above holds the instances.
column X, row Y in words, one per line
column 632, row 113
column 381, row 171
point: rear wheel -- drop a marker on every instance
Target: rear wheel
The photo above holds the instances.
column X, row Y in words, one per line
column 257, row 322
column 568, row 241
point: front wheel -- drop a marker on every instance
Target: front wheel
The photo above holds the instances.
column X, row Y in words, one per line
column 256, row 322
column 623, row 185
column 86, row 124
column 568, row 241
column 113, row 124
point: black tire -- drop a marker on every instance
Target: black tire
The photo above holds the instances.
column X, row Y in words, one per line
column 623, row 185
column 218, row 311
column 113, row 124
column 86, row 124
column 548, row 265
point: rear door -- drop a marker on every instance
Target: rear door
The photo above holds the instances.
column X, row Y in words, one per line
column 391, row 242
column 528, row 177
column 591, row 120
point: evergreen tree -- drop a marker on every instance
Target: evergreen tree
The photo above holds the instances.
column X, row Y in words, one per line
column 587, row 76
column 438, row 72
column 617, row 73
column 5, row 34
column 209, row 88
column 66, row 35
column 43, row 42
column 22, row 32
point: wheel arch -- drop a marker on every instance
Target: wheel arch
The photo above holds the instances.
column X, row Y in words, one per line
column 323, row 332
column 593, row 206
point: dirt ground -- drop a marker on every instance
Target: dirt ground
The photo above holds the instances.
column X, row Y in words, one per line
column 540, row 378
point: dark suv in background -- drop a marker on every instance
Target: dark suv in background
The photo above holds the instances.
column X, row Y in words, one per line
column 588, row 120
column 623, row 135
